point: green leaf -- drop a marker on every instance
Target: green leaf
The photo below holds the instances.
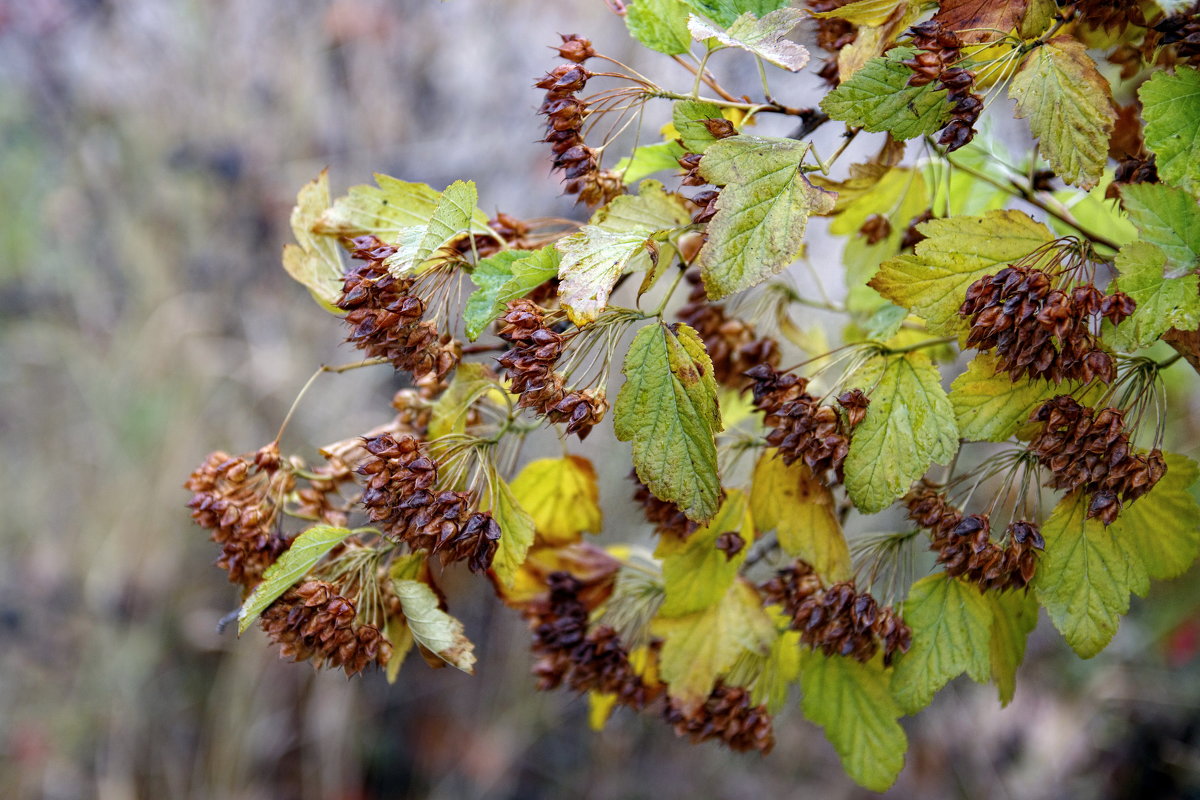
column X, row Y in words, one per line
column 316, row 260
column 725, row 12
column 863, row 12
column 385, row 210
column 592, row 260
column 761, row 213
column 1171, row 108
column 1014, row 616
column 561, row 496
column 305, row 551
column 699, row 648
column 1070, row 108
column 451, row 218
column 851, row 701
column 951, row 625
column 688, row 117
column 1162, row 303
column 991, row 406
column 668, row 409
column 1086, row 574
column 764, row 37
column 775, row 673
column 660, row 25
column 695, row 573
column 909, row 424
column 653, row 208
column 432, row 628
column 1168, row 218
column 649, row 159
column 449, row 412
column 791, row 501
column 1164, row 526
column 516, row 530
column 878, row 98
column 958, row 251
column 506, row 276
column 401, row 637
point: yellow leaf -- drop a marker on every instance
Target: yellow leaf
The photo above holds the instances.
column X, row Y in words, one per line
column 600, row 708
column 562, row 496
column 695, row 573
column 402, row 641
column 792, row 502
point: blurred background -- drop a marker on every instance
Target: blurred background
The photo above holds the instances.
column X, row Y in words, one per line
column 150, row 151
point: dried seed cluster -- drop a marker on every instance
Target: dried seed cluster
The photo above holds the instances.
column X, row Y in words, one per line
column 1183, row 31
column 728, row 715
column 664, row 515
column 530, row 362
column 964, row 547
column 839, row 620
column 237, row 497
column 833, row 34
column 401, row 496
column 567, row 653
column 1021, row 314
column 565, row 113
column 312, row 622
column 800, row 427
column 938, row 50
column 1090, row 450
column 384, row 317
column 732, row 344
column 705, row 202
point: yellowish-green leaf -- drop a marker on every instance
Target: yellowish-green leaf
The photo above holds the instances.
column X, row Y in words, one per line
column 878, row 98
column 385, row 210
column 775, row 673
column 315, row 260
column 990, row 406
column 449, row 413
column 401, row 638
column 592, row 260
column 600, row 708
column 432, row 628
column 792, row 502
column 1171, row 108
column 909, row 424
column 1038, row 18
column 761, row 213
column 451, row 218
column 1164, row 526
column 958, row 251
column 562, row 497
column 696, row 574
column 863, row 12
column 668, row 409
column 653, row 208
column 1086, row 575
column 516, row 530
column 1168, row 218
column 1070, row 108
column 1162, row 303
column 851, row 701
column 660, row 25
column 701, row 647
column 1014, row 616
column 506, row 276
column 649, row 159
column 305, row 551
column 765, row 38
column 951, row 624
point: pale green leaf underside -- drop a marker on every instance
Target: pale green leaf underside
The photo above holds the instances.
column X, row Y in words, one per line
column 592, row 260
column 451, row 218
column 516, row 530
column 762, row 37
column 432, row 628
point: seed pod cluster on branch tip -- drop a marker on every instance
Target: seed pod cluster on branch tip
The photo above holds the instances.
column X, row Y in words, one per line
column 530, row 362
column 855, row 404
column 839, row 620
column 568, row 654
column 801, row 428
column 236, row 498
column 384, row 317
column 401, row 496
column 1021, row 314
column 964, row 547
column 728, row 715
column 319, row 499
column 665, row 516
column 938, row 49
column 1089, row 450
column 1132, row 170
column 1182, row 31
column 732, row 344
column 1109, row 15
column 312, row 622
